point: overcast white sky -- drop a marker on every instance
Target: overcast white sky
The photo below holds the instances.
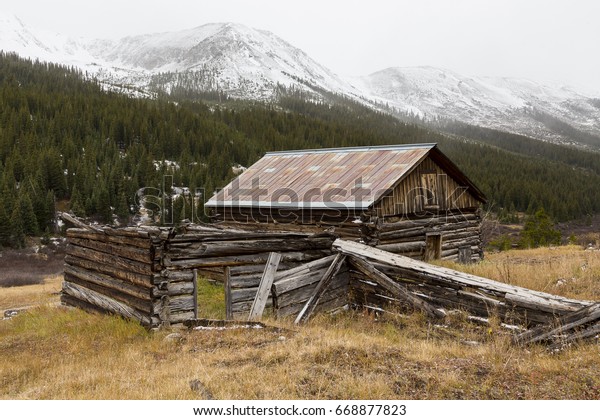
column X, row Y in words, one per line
column 543, row 40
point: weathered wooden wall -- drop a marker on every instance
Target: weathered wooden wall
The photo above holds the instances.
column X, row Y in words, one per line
column 427, row 188
column 150, row 274
column 408, row 235
column 120, row 271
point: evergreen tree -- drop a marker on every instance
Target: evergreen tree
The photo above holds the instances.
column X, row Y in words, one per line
column 5, row 228
column 17, row 232
column 29, row 220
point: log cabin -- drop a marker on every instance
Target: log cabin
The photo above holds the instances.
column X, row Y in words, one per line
column 407, row 199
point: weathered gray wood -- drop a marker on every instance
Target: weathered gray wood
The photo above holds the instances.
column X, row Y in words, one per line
column 140, row 243
column 403, row 247
column 565, row 324
column 140, row 279
column 395, row 289
column 109, row 282
column 109, row 260
column 519, row 296
column 163, row 310
column 129, row 252
column 105, row 302
column 141, row 304
column 227, row 284
column 305, row 291
column 264, row 287
column 173, row 289
column 255, row 246
column 308, row 309
column 195, row 293
column 73, row 220
column 299, row 280
column 181, row 303
column 243, row 259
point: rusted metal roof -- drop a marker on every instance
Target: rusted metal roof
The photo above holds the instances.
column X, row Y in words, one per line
column 353, row 177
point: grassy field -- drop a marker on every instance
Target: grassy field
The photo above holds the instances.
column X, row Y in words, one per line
column 57, row 353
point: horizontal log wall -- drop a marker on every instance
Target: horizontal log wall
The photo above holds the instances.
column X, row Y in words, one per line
column 460, row 235
column 118, row 271
column 149, row 274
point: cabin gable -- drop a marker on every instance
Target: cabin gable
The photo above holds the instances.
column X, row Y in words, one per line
column 428, row 188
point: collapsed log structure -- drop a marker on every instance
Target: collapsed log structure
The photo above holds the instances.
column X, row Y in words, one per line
column 151, row 275
column 406, row 199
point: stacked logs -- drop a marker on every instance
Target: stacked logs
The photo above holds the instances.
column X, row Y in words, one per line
column 408, row 237
column 119, row 271
column 150, row 274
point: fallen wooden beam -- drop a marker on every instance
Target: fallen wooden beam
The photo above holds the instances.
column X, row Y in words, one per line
column 545, row 305
column 398, row 291
column 565, row 324
column 312, row 302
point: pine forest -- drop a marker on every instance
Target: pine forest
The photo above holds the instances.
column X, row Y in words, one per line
column 68, row 143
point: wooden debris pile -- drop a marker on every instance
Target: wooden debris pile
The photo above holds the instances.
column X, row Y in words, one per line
column 151, row 274
column 378, row 278
column 441, row 287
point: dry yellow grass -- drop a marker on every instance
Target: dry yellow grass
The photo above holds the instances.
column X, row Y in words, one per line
column 59, row 353
column 32, row 295
column 568, row 270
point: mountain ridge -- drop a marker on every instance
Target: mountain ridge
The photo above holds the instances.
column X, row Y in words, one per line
column 247, row 63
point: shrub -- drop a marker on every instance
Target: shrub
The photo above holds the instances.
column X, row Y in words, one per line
column 539, row 231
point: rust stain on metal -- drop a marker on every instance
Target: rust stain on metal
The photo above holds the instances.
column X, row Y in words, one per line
column 322, row 177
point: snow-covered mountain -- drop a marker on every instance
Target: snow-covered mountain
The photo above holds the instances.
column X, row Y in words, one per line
column 519, row 106
column 252, row 64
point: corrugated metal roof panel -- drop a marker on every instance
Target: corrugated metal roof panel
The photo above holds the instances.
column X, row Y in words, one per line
column 353, row 177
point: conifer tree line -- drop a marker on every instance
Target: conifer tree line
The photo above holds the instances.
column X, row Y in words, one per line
column 67, row 143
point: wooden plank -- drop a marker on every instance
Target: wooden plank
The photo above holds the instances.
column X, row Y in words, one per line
column 301, row 294
column 73, row 220
column 394, row 288
column 195, row 293
column 227, row 283
column 109, row 282
column 308, row 309
column 245, row 247
column 539, row 300
column 105, row 302
column 297, row 256
column 565, row 323
column 109, row 260
column 101, row 237
column 135, row 278
column 264, row 287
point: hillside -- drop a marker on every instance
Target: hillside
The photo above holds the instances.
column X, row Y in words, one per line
column 233, row 60
column 66, row 140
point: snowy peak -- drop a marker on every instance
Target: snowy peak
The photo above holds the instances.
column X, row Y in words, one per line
column 519, row 106
column 15, row 36
column 247, row 63
column 230, row 56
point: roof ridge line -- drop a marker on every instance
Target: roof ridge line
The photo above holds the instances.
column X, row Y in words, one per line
column 355, row 149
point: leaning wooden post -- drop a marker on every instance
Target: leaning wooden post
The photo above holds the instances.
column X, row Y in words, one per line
column 397, row 290
column 227, row 281
column 266, row 281
column 195, row 283
column 312, row 302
